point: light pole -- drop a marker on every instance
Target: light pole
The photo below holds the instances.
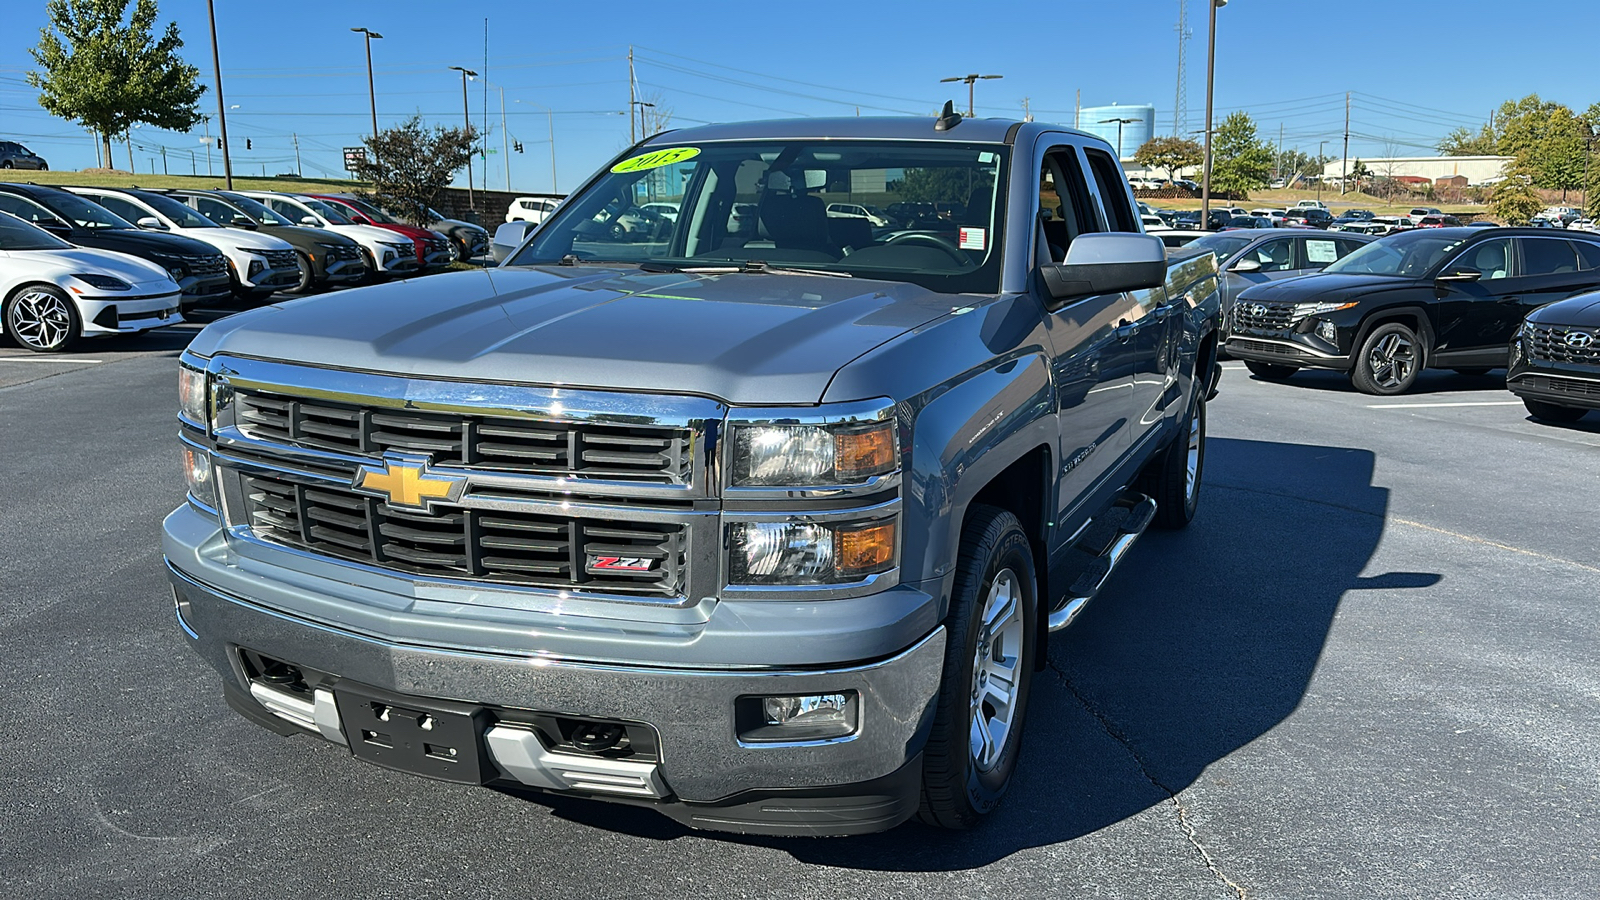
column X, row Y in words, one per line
column 550, row 115
column 969, row 79
column 1120, row 123
column 466, row 116
column 641, row 104
column 1211, row 77
column 372, row 96
column 222, row 112
column 1320, row 145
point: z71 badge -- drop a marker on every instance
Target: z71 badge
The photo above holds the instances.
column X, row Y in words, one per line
column 621, row 563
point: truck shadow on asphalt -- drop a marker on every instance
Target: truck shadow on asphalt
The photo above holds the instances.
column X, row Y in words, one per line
column 1201, row 643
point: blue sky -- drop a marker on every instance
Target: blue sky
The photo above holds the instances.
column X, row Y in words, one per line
column 1417, row 68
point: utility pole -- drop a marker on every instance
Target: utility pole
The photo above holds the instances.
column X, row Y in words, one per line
column 1211, row 77
column 193, row 169
column 129, row 142
column 633, row 99
column 164, row 161
column 1344, row 164
column 1027, row 112
column 1077, row 109
column 296, row 138
column 1320, row 145
column 222, row 111
column 372, row 95
column 466, row 116
column 1278, row 169
column 505, row 139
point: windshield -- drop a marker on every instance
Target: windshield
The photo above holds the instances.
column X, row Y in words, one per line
column 1409, row 254
column 729, row 204
column 83, row 213
column 16, row 234
column 328, row 211
column 257, row 210
column 1223, row 245
column 180, row 214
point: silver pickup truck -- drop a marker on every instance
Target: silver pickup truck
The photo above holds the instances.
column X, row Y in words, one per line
column 707, row 501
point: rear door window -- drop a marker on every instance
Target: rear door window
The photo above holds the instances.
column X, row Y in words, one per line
column 1318, row 252
column 1113, row 192
column 1547, row 256
column 132, row 212
column 1588, row 255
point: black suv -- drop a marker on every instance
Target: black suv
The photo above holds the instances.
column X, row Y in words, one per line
column 1312, row 217
column 1443, row 298
column 1555, row 359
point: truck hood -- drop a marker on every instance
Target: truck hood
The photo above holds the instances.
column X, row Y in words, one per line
column 1325, row 287
column 752, row 339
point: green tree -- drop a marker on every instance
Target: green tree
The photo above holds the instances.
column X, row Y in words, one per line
column 1514, row 199
column 107, row 70
column 1462, row 142
column 945, row 184
column 409, row 165
column 1520, row 124
column 1360, row 173
column 1240, row 161
column 1169, row 153
column 1559, row 156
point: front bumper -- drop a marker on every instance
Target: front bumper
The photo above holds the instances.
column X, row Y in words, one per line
column 1285, row 348
column 706, row 777
column 344, row 271
column 125, row 315
column 1562, row 384
column 200, row 288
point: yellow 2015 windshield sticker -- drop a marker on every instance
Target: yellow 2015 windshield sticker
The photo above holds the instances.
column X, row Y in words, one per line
column 655, row 159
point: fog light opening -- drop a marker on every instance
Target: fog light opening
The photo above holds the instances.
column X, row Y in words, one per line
column 798, row 717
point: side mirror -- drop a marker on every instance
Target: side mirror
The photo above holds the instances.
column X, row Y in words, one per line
column 59, row 229
column 1460, row 275
column 151, row 223
column 244, row 222
column 509, row 237
column 1245, row 266
column 310, row 222
column 1107, row 263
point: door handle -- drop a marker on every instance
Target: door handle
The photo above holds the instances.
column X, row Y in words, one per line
column 1126, row 329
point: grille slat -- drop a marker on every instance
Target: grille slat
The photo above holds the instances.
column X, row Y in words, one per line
column 1262, row 316
column 501, row 547
column 645, row 454
column 1548, row 343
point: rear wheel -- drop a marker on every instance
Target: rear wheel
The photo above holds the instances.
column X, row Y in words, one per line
column 41, row 318
column 1270, row 371
column 1389, row 361
column 1550, row 412
column 989, row 657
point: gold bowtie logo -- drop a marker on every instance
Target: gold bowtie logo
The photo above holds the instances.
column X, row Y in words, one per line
column 406, row 482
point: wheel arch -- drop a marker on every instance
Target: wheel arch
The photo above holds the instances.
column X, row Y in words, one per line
column 1414, row 317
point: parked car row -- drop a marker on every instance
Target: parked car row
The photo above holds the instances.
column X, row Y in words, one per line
column 1466, row 299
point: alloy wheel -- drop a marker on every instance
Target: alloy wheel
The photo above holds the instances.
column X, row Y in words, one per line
column 1392, row 360
column 995, row 674
column 40, row 319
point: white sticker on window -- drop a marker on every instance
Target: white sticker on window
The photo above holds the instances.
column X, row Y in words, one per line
column 1321, row 252
column 986, row 157
column 974, row 239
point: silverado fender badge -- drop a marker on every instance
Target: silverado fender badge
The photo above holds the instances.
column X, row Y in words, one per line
column 405, row 482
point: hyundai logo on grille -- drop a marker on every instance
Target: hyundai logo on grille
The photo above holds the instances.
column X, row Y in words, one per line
column 1579, row 340
column 1258, row 310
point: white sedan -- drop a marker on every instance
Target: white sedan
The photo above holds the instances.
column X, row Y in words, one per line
column 54, row 293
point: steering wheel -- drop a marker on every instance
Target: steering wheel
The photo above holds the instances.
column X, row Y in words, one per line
column 943, row 243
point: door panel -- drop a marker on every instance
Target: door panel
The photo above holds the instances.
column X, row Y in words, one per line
column 1476, row 315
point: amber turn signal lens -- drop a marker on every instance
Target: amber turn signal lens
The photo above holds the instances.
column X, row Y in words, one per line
column 860, row 454
column 862, row 551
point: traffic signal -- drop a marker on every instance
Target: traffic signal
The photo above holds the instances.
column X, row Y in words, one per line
column 247, row 143
column 517, row 146
column 219, row 143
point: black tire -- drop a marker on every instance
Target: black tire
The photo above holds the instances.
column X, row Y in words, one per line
column 1389, row 361
column 5, row 164
column 1474, row 371
column 42, row 318
column 1550, row 412
column 1169, row 479
column 44, row 167
column 995, row 562
column 1270, row 371
column 308, row 275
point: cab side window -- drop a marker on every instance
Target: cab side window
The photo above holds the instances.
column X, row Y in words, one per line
column 1064, row 206
column 1113, row 192
column 1490, row 259
column 1274, row 256
column 121, row 207
column 213, row 210
column 25, row 210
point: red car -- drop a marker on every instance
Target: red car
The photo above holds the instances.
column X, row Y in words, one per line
column 1440, row 221
column 433, row 248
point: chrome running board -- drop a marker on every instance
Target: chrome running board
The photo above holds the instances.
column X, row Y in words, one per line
column 1106, row 541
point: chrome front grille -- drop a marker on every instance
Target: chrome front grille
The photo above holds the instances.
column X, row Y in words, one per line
column 502, row 444
column 214, row 264
column 503, row 547
column 1548, row 343
column 1262, row 316
column 339, row 252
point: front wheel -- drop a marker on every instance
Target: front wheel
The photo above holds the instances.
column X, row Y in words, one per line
column 308, row 278
column 42, row 319
column 988, row 668
column 1173, row 477
column 1389, row 361
column 1550, row 412
column 1269, row 371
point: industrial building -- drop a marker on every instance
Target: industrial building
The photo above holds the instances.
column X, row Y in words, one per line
column 1476, row 169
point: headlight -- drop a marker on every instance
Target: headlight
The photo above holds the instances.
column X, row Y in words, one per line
column 198, row 476
column 812, row 455
column 1301, row 310
column 193, row 400
column 103, row 282
column 809, row 553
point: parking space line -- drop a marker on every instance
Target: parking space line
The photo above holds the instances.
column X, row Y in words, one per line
column 1438, row 405
column 1496, row 544
column 72, row 360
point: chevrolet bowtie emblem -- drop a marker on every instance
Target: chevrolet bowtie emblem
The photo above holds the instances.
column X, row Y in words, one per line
column 405, row 482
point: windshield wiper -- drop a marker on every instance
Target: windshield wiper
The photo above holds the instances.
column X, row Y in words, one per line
column 750, row 267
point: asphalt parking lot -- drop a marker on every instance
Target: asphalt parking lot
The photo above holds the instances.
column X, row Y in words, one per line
column 1368, row 669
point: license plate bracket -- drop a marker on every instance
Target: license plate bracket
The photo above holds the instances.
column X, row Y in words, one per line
column 428, row 738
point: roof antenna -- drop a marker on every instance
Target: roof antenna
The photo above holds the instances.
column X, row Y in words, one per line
column 948, row 118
